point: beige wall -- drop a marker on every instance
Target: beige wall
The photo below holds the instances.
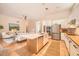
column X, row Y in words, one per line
column 5, row 20
column 28, row 24
column 31, row 25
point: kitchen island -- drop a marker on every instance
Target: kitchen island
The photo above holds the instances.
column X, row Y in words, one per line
column 35, row 42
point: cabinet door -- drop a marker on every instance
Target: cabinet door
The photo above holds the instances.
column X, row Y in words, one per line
column 66, row 39
column 73, row 50
column 68, row 43
column 77, row 49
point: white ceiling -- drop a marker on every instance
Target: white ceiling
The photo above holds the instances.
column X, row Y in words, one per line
column 33, row 10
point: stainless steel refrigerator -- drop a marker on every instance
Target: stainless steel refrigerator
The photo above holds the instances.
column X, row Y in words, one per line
column 56, row 31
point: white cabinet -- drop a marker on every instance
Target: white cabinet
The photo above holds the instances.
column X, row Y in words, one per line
column 74, row 49
column 66, row 39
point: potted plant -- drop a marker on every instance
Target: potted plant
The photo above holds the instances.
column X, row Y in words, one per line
column 72, row 23
column 1, row 27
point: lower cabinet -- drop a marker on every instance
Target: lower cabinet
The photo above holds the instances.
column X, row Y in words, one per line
column 66, row 39
column 74, row 49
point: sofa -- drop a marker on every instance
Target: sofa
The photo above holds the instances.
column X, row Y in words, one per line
column 8, row 37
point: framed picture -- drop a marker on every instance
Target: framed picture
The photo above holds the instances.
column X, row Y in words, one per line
column 13, row 26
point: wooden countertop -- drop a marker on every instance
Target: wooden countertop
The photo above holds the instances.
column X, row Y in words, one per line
column 74, row 38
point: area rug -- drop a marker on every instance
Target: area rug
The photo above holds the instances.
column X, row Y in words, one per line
column 53, row 49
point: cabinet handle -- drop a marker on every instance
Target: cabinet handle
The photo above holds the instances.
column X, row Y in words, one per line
column 74, row 46
column 77, row 54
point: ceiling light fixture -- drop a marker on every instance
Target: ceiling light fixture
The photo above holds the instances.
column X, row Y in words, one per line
column 25, row 17
column 46, row 8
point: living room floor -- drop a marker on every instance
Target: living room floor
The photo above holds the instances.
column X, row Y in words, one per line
column 52, row 48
